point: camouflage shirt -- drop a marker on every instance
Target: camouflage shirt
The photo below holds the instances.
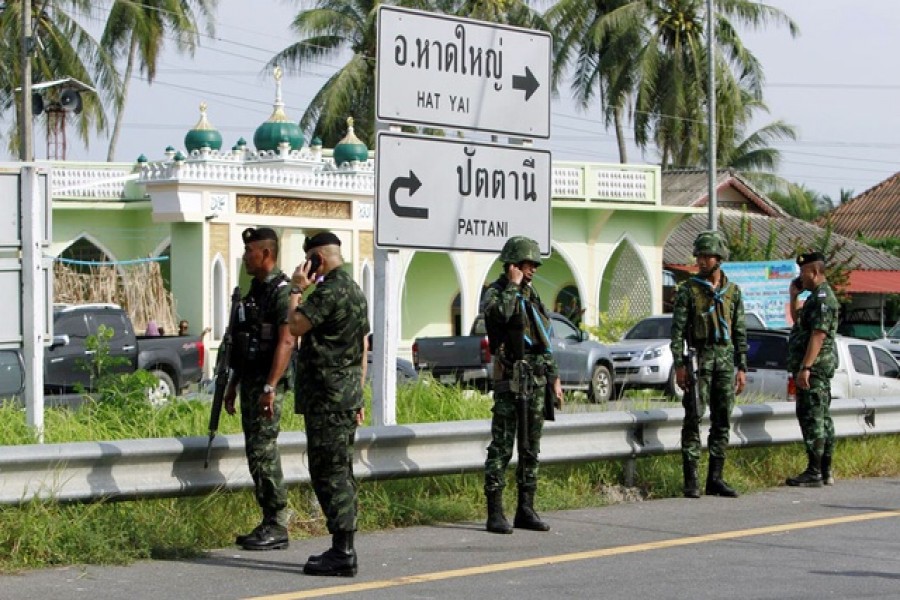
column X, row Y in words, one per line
column 819, row 312
column 501, row 301
column 703, row 317
column 329, row 370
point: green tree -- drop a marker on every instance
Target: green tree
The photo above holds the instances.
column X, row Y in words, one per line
column 745, row 245
column 600, row 59
column 63, row 48
column 665, row 73
column 325, row 32
column 801, row 202
column 138, row 30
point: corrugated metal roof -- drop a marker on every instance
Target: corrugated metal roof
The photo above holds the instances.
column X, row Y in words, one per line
column 874, row 213
column 679, row 186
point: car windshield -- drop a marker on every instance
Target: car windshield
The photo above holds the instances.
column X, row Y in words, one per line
column 651, row 329
column 894, row 331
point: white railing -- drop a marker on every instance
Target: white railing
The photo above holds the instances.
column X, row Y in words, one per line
column 305, row 171
column 174, row 466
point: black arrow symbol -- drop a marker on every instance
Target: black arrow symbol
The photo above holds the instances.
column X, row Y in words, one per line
column 526, row 82
column 413, row 184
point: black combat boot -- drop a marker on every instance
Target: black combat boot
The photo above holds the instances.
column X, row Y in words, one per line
column 691, row 487
column 526, row 518
column 715, row 485
column 827, row 472
column 338, row 561
column 811, row 477
column 240, row 539
column 496, row 520
column 268, row 536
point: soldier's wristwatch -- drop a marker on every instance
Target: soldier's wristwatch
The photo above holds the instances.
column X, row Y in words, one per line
column 296, row 289
column 805, row 368
column 268, row 389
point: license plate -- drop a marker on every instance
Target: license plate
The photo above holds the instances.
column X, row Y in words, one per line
column 448, row 379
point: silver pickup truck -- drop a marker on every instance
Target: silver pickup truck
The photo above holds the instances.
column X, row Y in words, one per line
column 865, row 369
column 584, row 364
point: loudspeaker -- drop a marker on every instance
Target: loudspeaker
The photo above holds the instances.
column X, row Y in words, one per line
column 37, row 104
column 70, row 101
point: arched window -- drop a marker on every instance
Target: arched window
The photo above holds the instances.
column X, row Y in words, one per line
column 219, row 297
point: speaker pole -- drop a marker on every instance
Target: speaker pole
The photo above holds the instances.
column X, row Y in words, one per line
column 26, row 140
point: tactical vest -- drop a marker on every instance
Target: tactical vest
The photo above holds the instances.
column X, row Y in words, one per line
column 500, row 335
column 256, row 330
column 701, row 324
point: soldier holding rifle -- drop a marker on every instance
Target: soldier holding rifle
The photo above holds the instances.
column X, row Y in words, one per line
column 261, row 355
column 519, row 333
column 708, row 317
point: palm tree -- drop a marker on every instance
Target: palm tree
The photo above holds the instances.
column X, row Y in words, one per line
column 802, row 202
column 63, row 49
column 602, row 59
column 325, row 32
column 664, row 74
column 138, row 29
column 334, row 26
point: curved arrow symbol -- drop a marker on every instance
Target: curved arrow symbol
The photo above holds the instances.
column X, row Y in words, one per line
column 413, row 184
column 526, row 82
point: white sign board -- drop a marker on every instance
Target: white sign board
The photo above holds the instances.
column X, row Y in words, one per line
column 450, row 194
column 443, row 71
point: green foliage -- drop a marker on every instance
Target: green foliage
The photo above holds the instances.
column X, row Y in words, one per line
column 745, row 245
column 611, row 327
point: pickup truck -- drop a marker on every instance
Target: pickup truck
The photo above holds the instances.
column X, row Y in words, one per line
column 891, row 341
column 177, row 361
column 864, row 370
column 584, row 365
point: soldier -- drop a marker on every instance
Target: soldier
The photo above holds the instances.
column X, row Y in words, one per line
column 263, row 346
column 333, row 322
column 519, row 330
column 811, row 360
column 708, row 315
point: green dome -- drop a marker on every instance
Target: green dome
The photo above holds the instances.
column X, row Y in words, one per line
column 278, row 128
column 350, row 148
column 203, row 134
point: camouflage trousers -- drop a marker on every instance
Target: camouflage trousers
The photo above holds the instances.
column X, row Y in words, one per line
column 329, row 439
column 261, row 447
column 813, row 408
column 716, row 386
column 503, row 437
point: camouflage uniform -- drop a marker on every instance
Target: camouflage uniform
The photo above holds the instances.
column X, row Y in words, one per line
column 328, row 392
column 501, row 300
column 712, row 321
column 261, row 433
column 819, row 312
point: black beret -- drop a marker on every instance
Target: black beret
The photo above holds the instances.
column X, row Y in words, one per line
column 257, row 235
column 324, row 238
column 810, row 257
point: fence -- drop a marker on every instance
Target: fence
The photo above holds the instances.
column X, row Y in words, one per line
column 131, row 469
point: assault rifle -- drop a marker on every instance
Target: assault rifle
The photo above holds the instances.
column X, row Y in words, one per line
column 222, row 372
column 521, row 386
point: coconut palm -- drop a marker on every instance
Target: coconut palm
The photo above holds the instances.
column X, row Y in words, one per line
column 63, row 48
column 664, row 74
column 138, row 29
column 335, row 26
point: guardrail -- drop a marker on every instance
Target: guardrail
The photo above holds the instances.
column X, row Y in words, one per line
column 168, row 467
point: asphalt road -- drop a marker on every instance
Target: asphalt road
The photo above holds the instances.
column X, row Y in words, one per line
column 785, row 543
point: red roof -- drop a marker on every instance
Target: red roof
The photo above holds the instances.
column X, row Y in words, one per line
column 874, row 282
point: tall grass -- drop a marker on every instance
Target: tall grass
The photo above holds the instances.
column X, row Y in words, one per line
column 40, row 534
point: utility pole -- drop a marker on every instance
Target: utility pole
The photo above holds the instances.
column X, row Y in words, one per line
column 26, row 141
column 711, row 110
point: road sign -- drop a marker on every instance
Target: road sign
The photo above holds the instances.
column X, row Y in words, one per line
column 450, row 194
column 443, row 71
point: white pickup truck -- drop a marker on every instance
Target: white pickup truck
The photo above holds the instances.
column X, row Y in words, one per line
column 865, row 369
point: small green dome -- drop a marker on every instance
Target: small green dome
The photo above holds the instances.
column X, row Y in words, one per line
column 278, row 127
column 142, row 159
column 203, row 134
column 350, row 148
column 316, row 142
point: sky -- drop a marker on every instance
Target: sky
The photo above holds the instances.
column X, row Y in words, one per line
column 838, row 83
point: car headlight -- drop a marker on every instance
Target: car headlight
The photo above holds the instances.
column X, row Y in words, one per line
column 652, row 353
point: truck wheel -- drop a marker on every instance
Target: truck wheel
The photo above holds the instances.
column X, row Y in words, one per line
column 672, row 389
column 163, row 391
column 601, row 389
